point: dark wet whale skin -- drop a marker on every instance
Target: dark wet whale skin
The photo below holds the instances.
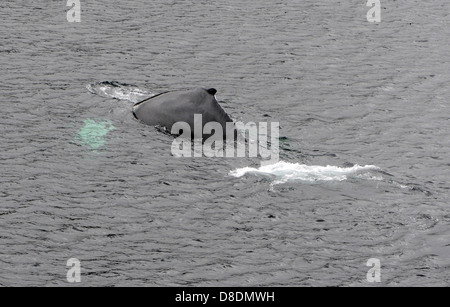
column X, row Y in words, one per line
column 180, row 106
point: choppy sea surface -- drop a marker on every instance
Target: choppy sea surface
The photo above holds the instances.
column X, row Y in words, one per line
column 364, row 144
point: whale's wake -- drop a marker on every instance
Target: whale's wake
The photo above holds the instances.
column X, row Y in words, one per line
column 284, row 172
column 117, row 90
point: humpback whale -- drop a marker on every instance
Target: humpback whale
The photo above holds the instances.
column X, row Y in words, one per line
column 169, row 108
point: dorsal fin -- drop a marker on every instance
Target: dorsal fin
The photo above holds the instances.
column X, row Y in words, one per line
column 212, row 91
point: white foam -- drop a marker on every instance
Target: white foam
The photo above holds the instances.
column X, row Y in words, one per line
column 118, row 91
column 285, row 171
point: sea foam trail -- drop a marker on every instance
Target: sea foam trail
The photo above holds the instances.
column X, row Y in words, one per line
column 285, row 171
column 117, row 90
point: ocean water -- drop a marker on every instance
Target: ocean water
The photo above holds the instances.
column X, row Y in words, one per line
column 364, row 144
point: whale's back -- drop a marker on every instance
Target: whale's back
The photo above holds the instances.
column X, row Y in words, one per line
column 168, row 108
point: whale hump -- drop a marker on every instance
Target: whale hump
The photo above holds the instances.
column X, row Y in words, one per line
column 170, row 108
column 212, row 91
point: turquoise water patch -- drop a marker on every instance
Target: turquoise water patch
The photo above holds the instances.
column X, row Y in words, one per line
column 93, row 133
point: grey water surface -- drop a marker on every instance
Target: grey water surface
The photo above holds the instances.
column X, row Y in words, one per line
column 82, row 178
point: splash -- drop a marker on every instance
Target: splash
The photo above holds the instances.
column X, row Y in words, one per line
column 285, row 172
column 117, row 90
column 93, row 133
